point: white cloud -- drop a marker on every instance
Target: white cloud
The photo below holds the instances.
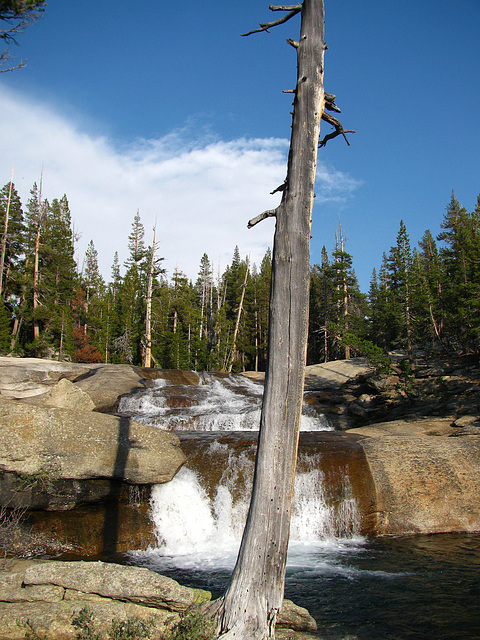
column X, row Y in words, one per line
column 201, row 193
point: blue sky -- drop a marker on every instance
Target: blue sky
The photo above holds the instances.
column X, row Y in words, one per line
column 166, row 108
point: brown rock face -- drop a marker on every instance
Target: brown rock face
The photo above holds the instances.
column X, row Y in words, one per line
column 424, row 484
column 59, row 460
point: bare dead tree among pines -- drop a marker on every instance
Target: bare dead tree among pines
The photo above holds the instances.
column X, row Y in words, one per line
column 249, row 608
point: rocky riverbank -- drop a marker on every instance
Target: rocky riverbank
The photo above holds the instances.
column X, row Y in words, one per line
column 45, row 597
column 85, row 477
column 76, row 479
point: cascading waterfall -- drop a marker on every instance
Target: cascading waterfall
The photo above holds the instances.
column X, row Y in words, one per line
column 216, row 402
column 194, row 530
column 377, row 589
column 199, row 516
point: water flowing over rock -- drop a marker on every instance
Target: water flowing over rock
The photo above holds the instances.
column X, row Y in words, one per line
column 189, row 401
column 378, row 479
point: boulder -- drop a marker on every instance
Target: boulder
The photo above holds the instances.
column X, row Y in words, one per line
column 66, row 444
column 44, row 597
column 468, row 430
column 27, row 377
column 107, row 383
column 296, row 618
column 56, row 459
column 104, row 383
column 64, row 395
column 413, row 427
column 423, row 483
column 116, row 582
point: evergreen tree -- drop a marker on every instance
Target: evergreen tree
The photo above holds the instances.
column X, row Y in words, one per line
column 321, row 309
column 91, row 346
column 400, row 274
column 136, row 243
column 428, row 294
column 460, row 254
column 5, row 329
column 12, row 230
column 58, row 277
column 260, row 283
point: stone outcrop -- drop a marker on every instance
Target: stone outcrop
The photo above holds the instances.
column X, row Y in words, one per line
column 46, row 596
column 97, row 467
column 104, row 384
column 424, row 481
column 26, row 377
column 107, row 383
column 64, row 395
column 64, row 444
column 57, row 455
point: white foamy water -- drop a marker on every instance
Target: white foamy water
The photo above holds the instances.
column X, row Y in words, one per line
column 216, row 403
column 195, row 531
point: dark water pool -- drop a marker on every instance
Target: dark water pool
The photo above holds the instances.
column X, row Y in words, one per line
column 405, row 588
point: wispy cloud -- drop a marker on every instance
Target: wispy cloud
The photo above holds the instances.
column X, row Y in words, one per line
column 201, row 191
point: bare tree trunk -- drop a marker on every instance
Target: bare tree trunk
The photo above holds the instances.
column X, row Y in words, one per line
column 255, row 595
column 345, row 295
column 3, row 246
column 36, row 325
column 148, row 313
column 17, row 325
column 237, row 323
column 36, row 303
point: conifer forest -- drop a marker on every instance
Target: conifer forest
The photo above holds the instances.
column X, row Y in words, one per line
column 420, row 298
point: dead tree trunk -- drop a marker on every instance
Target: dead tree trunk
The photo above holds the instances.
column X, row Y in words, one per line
column 148, row 314
column 237, row 323
column 251, row 604
column 3, row 245
column 36, row 273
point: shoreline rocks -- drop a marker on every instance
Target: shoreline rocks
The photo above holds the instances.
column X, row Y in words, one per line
column 44, row 596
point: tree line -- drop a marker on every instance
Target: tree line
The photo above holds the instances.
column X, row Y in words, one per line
column 422, row 298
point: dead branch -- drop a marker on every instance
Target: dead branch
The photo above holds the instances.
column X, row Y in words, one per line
column 265, row 26
column 293, row 43
column 283, row 7
column 339, row 130
column 270, row 213
column 280, row 188
column 4, row 58
column 330, row 103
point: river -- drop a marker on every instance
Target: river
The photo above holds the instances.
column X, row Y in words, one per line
column 390, row 588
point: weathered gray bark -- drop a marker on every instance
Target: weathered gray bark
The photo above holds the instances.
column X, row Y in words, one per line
column 237, row 323
column 3, row 244
column 36, row 302
column 148, row 314
column 251, row 604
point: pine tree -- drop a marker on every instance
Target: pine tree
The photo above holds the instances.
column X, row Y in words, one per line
column 58, row 277
column 460, row 254
column 12, row 230
column 321, row 307
column 136, row 243
column 5, row 329
column 400, row 265
column 92, row 322
column 429, row 277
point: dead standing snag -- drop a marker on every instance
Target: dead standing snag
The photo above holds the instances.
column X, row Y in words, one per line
column 249, row 608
